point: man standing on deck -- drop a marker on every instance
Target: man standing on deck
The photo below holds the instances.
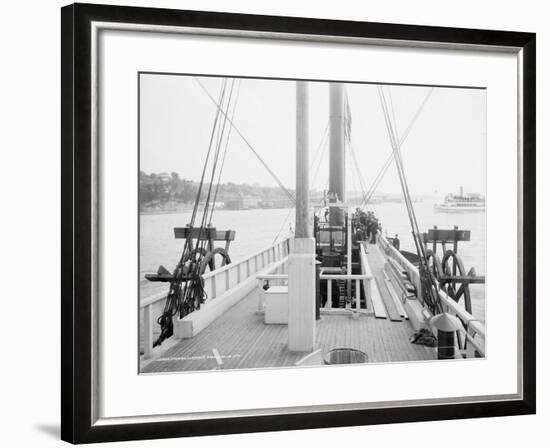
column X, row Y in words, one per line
column 396, row 243
column 374, row 230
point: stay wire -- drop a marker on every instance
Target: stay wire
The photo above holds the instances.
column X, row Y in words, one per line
column 209, row 206
column 201, row 183
column 214, row 166
column 245, row 140
column 401, row 173
column 320, row 151
column 431, row 296
column 376, row 182
column 225, row 150
column 194, row 288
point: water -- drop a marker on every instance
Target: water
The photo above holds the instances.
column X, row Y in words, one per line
column 257, row 229
column 396, row 221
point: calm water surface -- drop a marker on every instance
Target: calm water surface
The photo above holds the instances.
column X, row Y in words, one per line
column 257, row 229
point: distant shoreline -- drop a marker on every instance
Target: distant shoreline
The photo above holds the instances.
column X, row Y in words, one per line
column 171, row 211
column 164, row 212
column 190, row 208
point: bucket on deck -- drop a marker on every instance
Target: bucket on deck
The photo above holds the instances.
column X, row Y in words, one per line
column 345, row 356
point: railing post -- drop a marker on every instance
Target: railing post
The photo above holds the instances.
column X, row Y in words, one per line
column 329, row 294
column 368, row 292
column 213, row 287
column 357, row 295
column 147, row 331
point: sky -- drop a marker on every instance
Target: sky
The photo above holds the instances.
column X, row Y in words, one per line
column 445, row 148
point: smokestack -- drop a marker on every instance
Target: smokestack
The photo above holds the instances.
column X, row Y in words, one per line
column 337, row 184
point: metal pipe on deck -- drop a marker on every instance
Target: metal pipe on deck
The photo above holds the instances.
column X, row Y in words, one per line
column 337, row 159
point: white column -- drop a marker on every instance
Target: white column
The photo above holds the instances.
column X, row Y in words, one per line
column 301, row 296
column 301, row 275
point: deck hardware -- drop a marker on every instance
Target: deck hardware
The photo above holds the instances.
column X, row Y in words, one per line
column 446, row 325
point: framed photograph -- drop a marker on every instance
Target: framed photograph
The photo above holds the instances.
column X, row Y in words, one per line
column 277, row 223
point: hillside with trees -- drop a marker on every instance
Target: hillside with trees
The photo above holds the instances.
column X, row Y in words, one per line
column 163, row 192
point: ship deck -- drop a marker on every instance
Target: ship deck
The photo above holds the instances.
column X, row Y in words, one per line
column 239, row 339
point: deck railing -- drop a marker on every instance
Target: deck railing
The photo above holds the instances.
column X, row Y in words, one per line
column 216, row 283
column 359, row 279
column 405, row 264
column 278, row 275
column 475, row 329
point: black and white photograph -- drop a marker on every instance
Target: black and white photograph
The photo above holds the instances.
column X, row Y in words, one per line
column 275, row 224
column 292, row 223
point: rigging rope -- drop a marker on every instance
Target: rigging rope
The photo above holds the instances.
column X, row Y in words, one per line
column 381, row 173
column 288, row 193
column 358, row 172
column 177, row 300
column 322, row 147
column 429, row 285
column 347, row 134
column 188, row 242
column 215, row 163
column 186, row 291
column 225, row 152
column 320, row 151
column 401, row 172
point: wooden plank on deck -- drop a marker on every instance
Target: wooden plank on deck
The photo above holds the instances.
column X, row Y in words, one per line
column 376, row 262
column 376, row 298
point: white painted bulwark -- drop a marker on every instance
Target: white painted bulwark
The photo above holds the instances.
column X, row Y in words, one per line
column 192, row 324
column 276, row 305
column 301, row 287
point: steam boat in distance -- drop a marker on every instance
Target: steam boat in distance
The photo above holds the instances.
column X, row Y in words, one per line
column 469, row 202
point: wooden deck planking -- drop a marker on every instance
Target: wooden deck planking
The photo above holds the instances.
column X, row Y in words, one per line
column 243, row 335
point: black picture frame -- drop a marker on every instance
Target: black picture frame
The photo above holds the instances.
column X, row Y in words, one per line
column 77, row 420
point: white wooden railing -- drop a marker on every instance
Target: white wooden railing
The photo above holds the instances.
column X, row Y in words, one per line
column 366, row 280
column 405, row 264
column 278, row 275
column 475, row 328
column 216, row 283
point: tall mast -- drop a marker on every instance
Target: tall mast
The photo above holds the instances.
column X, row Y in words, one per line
column 303, row 229
column 337, row 161
column 301, row 265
